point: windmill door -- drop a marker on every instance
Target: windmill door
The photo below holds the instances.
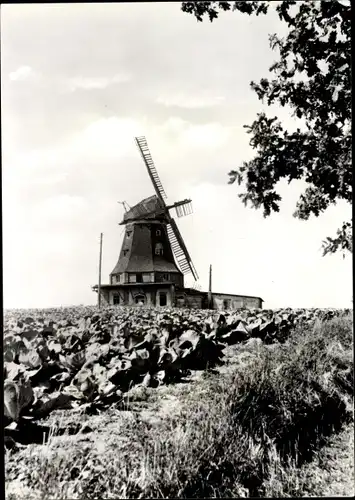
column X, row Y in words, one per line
column 163, row 298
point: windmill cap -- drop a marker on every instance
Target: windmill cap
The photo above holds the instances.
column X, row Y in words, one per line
column 147, row 208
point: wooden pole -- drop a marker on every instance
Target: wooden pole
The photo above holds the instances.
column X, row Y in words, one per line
column 100, row 261
column 210, row 304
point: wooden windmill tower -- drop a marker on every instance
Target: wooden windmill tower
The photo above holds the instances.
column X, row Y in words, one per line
column 153, row 258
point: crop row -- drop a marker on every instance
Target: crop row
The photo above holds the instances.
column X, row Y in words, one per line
column 82, row 356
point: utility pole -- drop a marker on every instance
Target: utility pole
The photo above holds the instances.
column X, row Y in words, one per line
column 210, row 304
column 100, row 261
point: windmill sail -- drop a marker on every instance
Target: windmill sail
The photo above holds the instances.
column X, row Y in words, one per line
column 182, row 208
column 148, row 160
column 180, row 251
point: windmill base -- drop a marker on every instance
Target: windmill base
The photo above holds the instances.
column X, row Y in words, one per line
column 171, row 295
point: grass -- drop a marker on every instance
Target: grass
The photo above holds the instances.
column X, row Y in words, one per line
column 329, row 474
column 248, row 433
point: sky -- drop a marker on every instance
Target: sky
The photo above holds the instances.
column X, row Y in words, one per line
column 79, row 82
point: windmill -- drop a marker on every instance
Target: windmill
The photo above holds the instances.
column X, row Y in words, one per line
column 153, row 258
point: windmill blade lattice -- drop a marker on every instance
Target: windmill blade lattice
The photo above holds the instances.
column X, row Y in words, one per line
column 153, row 174
column 185, row 209
column 180, row 251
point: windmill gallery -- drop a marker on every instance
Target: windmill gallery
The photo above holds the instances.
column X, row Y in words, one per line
column 154, row 258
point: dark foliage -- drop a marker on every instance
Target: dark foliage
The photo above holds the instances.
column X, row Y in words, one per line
column 313, row 78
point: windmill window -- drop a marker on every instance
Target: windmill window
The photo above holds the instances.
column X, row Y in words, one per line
column 132, row 278
column 175, row 277
column 118, row 278
column 226, row 303
column 158, row 249
column 139, row 278
column 128, row 233
column 147, row 277
column 158, row 232
column 125, row 252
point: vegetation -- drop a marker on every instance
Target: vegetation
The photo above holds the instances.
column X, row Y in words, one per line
column 84, row 356
column 248, row 431
column 313, row 79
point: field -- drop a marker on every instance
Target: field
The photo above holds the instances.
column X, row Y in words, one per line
column 147, row 403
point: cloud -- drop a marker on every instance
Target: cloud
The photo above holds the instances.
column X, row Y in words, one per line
column 181, row 100
column 61, row 206
column 99, row 163
column 209, row 135
column 91, row 83
column 50, row 178
column 60, row 212
column 110, row 133
column 22, row 73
